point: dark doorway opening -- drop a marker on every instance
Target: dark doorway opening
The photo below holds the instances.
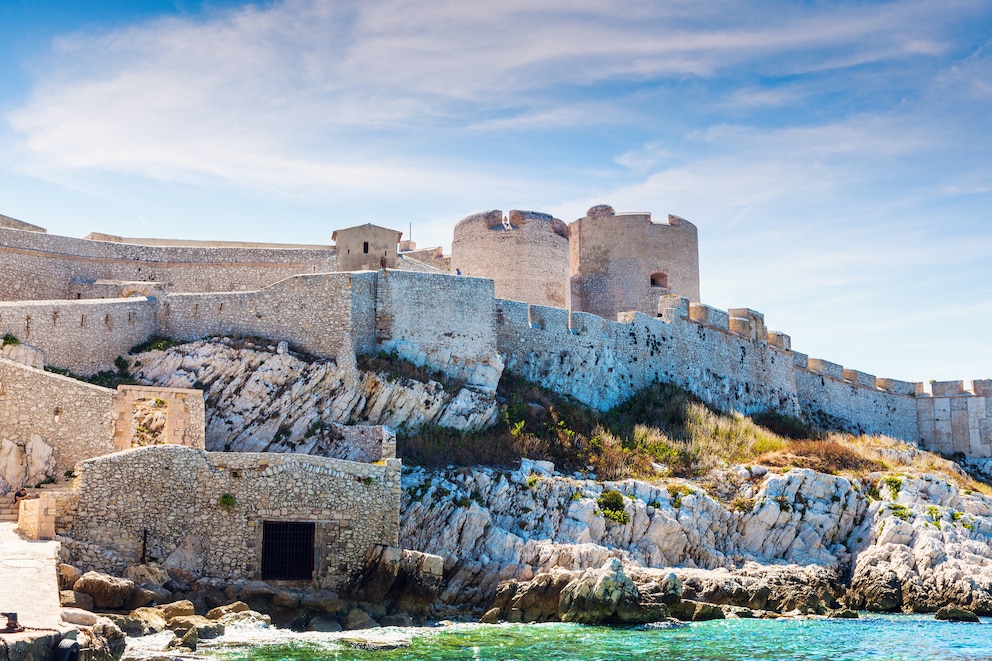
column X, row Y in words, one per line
column 287, row 551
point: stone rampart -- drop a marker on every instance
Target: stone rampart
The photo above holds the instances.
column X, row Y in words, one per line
column 82, row 336
column 164, row 502
column 328, row 314
column 38, row 266
column 49, row 422
column 14, row 224
column 720, row 357
column 956, row 417
column 445, row 322
column 868, row 405
column 53, row 420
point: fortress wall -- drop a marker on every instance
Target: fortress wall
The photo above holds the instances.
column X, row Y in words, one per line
column 354, row 506
column 24, row 255
column 73, row 418
column 956, row 417
column 311, row 312
column 13, row 223
column 854, row 397
column 601, row 363
column 82, row 336
column 445, row 321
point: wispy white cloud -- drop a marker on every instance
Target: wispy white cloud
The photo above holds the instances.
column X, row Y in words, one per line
column 217, row 96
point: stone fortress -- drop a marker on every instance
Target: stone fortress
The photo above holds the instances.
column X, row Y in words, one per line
column 597, row 309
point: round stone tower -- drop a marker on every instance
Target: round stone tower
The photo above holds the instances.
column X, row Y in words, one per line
column 525, row 254
column 625, row 261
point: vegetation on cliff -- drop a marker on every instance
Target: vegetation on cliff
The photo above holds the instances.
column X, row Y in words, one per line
column 662, row 431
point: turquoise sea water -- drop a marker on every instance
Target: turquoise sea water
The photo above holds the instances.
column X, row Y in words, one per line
column 875, row 638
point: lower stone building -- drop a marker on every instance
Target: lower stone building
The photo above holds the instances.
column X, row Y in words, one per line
column 302, row 519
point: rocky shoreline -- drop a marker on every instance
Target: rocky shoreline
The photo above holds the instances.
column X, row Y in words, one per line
column 532, row 545
column 793, row 540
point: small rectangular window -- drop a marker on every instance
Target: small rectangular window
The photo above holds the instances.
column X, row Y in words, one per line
column 365, row 247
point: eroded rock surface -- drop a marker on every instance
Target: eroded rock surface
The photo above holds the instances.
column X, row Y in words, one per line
column 260, row 400
column 793, row 546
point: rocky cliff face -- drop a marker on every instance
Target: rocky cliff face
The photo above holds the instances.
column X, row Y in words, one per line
column 916, row 547
column 265, row 398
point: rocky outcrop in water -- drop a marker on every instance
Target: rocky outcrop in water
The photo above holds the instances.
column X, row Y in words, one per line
column 598, row 595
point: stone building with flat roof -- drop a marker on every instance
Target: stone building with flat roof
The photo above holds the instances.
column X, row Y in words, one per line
column 364, row 247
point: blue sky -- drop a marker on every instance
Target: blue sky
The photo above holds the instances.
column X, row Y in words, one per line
column 834, row 155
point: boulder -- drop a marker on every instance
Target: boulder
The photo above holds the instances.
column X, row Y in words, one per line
column 178, row 609
column 131, row 626
column 73, row 599
column 79, row 617
column 204, row 628
column 358, row 619
column 108, row 592
column 286, row 599
column 951, row 614
column 104, row 641
column 248, row 618
column 702, row 612
column 189, row 639
column 141, row 597
column 875, row 588
column 68, row 575
column 536, row 600
column 397, row 620
column 605, row 595
column 221, row 611
column 152, row 619
column 323, row 600
column 408, row 579
column 147, row 574
column 777, row 588
column 325, row 624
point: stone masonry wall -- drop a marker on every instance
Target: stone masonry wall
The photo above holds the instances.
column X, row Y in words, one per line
column 173, row 493
column 719, row 357
column 37, row 266
column 73, row 418
column 869, row 405
column 445, row 322
column 311, row 312
column 61, row 421
column 81, row 336
column 956, row 417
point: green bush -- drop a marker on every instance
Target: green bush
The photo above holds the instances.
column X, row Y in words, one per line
column 9, row 338
column 227, row 502
column 893, row 483
column 613, row 506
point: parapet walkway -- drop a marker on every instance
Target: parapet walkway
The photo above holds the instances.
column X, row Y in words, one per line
column 28, row 580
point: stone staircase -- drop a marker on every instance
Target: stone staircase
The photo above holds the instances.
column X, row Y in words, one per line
column 8, row 508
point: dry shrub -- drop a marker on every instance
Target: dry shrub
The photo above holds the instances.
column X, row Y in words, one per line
column 824, row 456
column 610, row 459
